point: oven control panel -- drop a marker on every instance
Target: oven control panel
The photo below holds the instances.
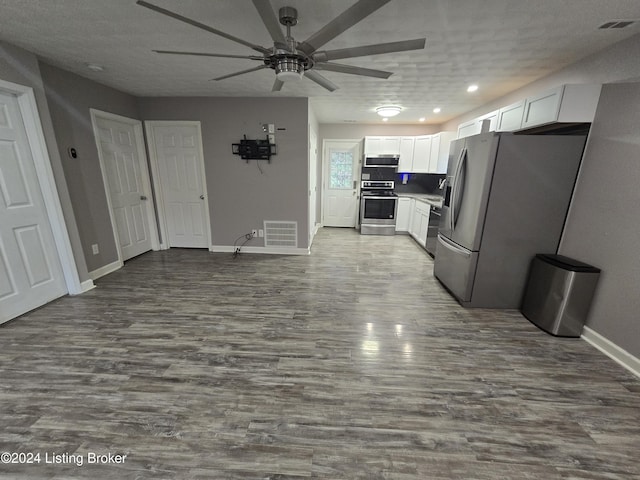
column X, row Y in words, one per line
column 377, row 184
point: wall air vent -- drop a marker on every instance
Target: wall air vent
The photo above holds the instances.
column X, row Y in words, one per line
column 616, row 24
column 280, row 234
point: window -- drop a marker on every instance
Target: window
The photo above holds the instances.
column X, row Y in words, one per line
column 341, row 170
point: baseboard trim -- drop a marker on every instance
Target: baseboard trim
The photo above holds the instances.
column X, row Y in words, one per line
column 264, row 250
column 612, row 350
column 86, row 286
column 106, row 269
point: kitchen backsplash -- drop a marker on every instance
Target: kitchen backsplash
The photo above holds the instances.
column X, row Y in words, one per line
column 419, row 183
column 416, row 182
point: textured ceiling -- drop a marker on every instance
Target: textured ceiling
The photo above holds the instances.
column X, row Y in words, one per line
column 498, row 44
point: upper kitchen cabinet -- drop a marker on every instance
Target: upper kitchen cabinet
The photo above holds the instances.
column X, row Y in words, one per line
column 381, row 145
column 473, row 127
column 564, row 104
column 405, row 164
column 510, row 117
column 439, row 155
column 421, row 154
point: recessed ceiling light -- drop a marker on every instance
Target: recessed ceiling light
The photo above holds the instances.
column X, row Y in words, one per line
column 437, row 110
column 95, row 67
column 472, row 88
column 385, row 119
column 388, row 110
column 421, row 119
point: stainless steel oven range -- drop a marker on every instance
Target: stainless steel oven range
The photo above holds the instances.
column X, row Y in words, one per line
column 378, row 207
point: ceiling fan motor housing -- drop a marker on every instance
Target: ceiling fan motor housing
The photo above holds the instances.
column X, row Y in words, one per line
column 288, row 16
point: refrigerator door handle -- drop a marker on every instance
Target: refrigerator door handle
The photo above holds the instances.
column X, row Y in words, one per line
column 454, row 189
column 453, row 247
column 457, row 201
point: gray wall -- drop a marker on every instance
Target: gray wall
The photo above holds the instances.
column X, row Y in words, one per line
column 21, row 67
column 240, row 196
column 70, row 97
column 603, row 226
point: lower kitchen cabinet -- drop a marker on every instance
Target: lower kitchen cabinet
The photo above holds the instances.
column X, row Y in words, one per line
column 403, row 214
column 420, row 222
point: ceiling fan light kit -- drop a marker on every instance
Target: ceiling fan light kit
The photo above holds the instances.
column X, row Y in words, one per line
column 291, row 60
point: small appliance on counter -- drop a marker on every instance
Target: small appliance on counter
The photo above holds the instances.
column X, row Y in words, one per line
column 378, row 207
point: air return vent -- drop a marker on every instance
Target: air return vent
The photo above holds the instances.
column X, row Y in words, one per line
column 616, row 24
column 280, row 234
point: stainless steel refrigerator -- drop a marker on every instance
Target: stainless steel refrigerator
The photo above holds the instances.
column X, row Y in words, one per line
column 506, row 200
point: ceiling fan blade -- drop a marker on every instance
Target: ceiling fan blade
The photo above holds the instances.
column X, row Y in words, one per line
column 338, row 67
column 320, row 80
column 202, row 54
column 376, row 49
column 249, row 70
column 340, row 24
column 270, row 20
column 277, row 85
column 171, row 14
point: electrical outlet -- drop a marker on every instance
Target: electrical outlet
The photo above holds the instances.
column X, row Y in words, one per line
column 95, row 249
column 261, row 233
column 254, row 233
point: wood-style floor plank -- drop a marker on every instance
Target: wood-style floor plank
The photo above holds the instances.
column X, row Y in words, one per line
column 351, row 363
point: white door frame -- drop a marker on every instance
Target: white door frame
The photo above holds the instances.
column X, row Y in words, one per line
column 144, row 171
column 157, row 184
column 46, row 180
column 325, row 169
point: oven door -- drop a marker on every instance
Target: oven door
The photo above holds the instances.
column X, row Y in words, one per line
column 378, row 210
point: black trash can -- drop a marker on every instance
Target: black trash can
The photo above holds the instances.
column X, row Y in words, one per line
column 559, row 293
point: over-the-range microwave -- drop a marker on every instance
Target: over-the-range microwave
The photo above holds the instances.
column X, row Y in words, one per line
column 390, row 161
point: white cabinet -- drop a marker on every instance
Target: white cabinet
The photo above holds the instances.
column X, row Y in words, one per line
column 420, row 222
column 403, row 214
column 564, row 104
column 381, row 145
column 473, row 127
column 405, row 164
column 510, row 117
column 439, row 155
column 421, row 154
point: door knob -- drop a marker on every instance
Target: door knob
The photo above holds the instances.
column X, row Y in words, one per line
column 143, row 197
column 201, row 197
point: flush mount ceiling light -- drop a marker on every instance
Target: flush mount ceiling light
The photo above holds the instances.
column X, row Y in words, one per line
column 421, row 119
column 472, row 88
column 388, row 110
column 437, row 110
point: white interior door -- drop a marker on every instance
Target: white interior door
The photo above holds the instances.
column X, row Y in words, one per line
column 339, row 198
column 127, row 181
column 178, row 166
column 30, row 270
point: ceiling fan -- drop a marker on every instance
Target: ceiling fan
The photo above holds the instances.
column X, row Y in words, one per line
column 293, row 60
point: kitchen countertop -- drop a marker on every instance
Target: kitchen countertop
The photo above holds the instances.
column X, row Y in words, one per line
column 435, row 200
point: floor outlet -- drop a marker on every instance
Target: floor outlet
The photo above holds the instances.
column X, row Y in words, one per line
column 254, row 233
column 261, row 233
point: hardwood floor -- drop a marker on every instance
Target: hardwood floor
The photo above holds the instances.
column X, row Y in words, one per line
column 352, row 363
